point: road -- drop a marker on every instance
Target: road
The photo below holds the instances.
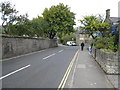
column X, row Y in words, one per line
column 44, row 69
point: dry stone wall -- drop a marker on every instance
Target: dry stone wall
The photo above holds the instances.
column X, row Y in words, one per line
column 14, row 46
column 108, row 61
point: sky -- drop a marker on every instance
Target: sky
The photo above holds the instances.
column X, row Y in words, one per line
column 81, row 8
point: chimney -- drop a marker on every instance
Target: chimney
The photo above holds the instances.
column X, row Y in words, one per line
column 108, row 13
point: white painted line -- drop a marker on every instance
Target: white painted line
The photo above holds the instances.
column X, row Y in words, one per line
column 60, row 51
column 74, row 70
column 70, row 69
column 49, row 56
column 14, row 72
column 65, row 77
column 22, row 55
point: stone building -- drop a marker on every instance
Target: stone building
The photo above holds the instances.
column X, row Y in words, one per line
column 112, row 20
column 81, row 36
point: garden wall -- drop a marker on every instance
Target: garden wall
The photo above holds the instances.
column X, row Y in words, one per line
column 14, row 46
column 108, row 61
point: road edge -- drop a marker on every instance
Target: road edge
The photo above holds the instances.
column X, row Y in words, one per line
column 65, row 77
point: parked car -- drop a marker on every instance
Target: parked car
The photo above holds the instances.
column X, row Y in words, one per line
column 71, row 43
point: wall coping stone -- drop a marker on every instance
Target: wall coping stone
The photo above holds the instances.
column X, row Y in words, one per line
column 25, row 37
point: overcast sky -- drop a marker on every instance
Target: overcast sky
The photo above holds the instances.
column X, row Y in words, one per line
column 79, row 7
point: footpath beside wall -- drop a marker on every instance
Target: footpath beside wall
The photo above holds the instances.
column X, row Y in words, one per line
column 14, row 46
column 109, row 62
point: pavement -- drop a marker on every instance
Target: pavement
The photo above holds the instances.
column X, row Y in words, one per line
column 86, row 73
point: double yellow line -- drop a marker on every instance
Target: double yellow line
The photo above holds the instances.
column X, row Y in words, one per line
column 62, row 84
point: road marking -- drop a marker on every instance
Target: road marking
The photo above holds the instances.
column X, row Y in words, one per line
column 49, row 56
column 60, row 51
column 21, row 55
column 15, row 72
column 74, row 70
column 62, row 84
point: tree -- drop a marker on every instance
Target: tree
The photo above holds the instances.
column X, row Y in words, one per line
column 108, row 40
column 93, row 24
column 8, row 15
column 88, row 25
column 21, row 26
column 60, row 20
column 40, row 26
column 68, row 37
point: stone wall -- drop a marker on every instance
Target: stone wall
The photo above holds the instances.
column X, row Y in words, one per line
column 108, row 61
column 14, row 46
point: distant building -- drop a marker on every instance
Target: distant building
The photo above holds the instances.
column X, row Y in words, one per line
column 81, row 36
column 113, row 21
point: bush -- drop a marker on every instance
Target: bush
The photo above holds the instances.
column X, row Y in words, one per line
column 112, row 45
column 107, row 50
column 100, row 43
column 1, row 31
column 106, row 43
column 113, row 48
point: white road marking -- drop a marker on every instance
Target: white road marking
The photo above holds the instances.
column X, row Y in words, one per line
column 14, row 72
column 49, row 56
column 65, row 77
column 60, row 51
column 74, row 70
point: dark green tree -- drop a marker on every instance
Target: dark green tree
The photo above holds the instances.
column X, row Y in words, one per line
column 60, row 20
column 8, row 15
column 40, row 26
column 21, row 26
column 93, row 24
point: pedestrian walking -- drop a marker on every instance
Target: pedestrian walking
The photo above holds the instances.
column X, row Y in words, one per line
column 90, row 49
column 82, row 46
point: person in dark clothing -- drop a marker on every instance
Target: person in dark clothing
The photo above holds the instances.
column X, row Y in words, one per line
column 82, row 46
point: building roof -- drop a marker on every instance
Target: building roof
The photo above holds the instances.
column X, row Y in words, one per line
column 114, row 19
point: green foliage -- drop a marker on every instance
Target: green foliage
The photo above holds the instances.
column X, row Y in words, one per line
column 106, row 44
column 1, row 30
column 107, row 41
column 107, row 50
column 31, row 28
column 57, row 20
column 68, row 37
column 89, row 24
column 100, row 43
column 93, row 24
column 111, row 44
column 21, row 27
column 8, row 15
column 21, row 30
column 40, row 27
column 60, row 20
